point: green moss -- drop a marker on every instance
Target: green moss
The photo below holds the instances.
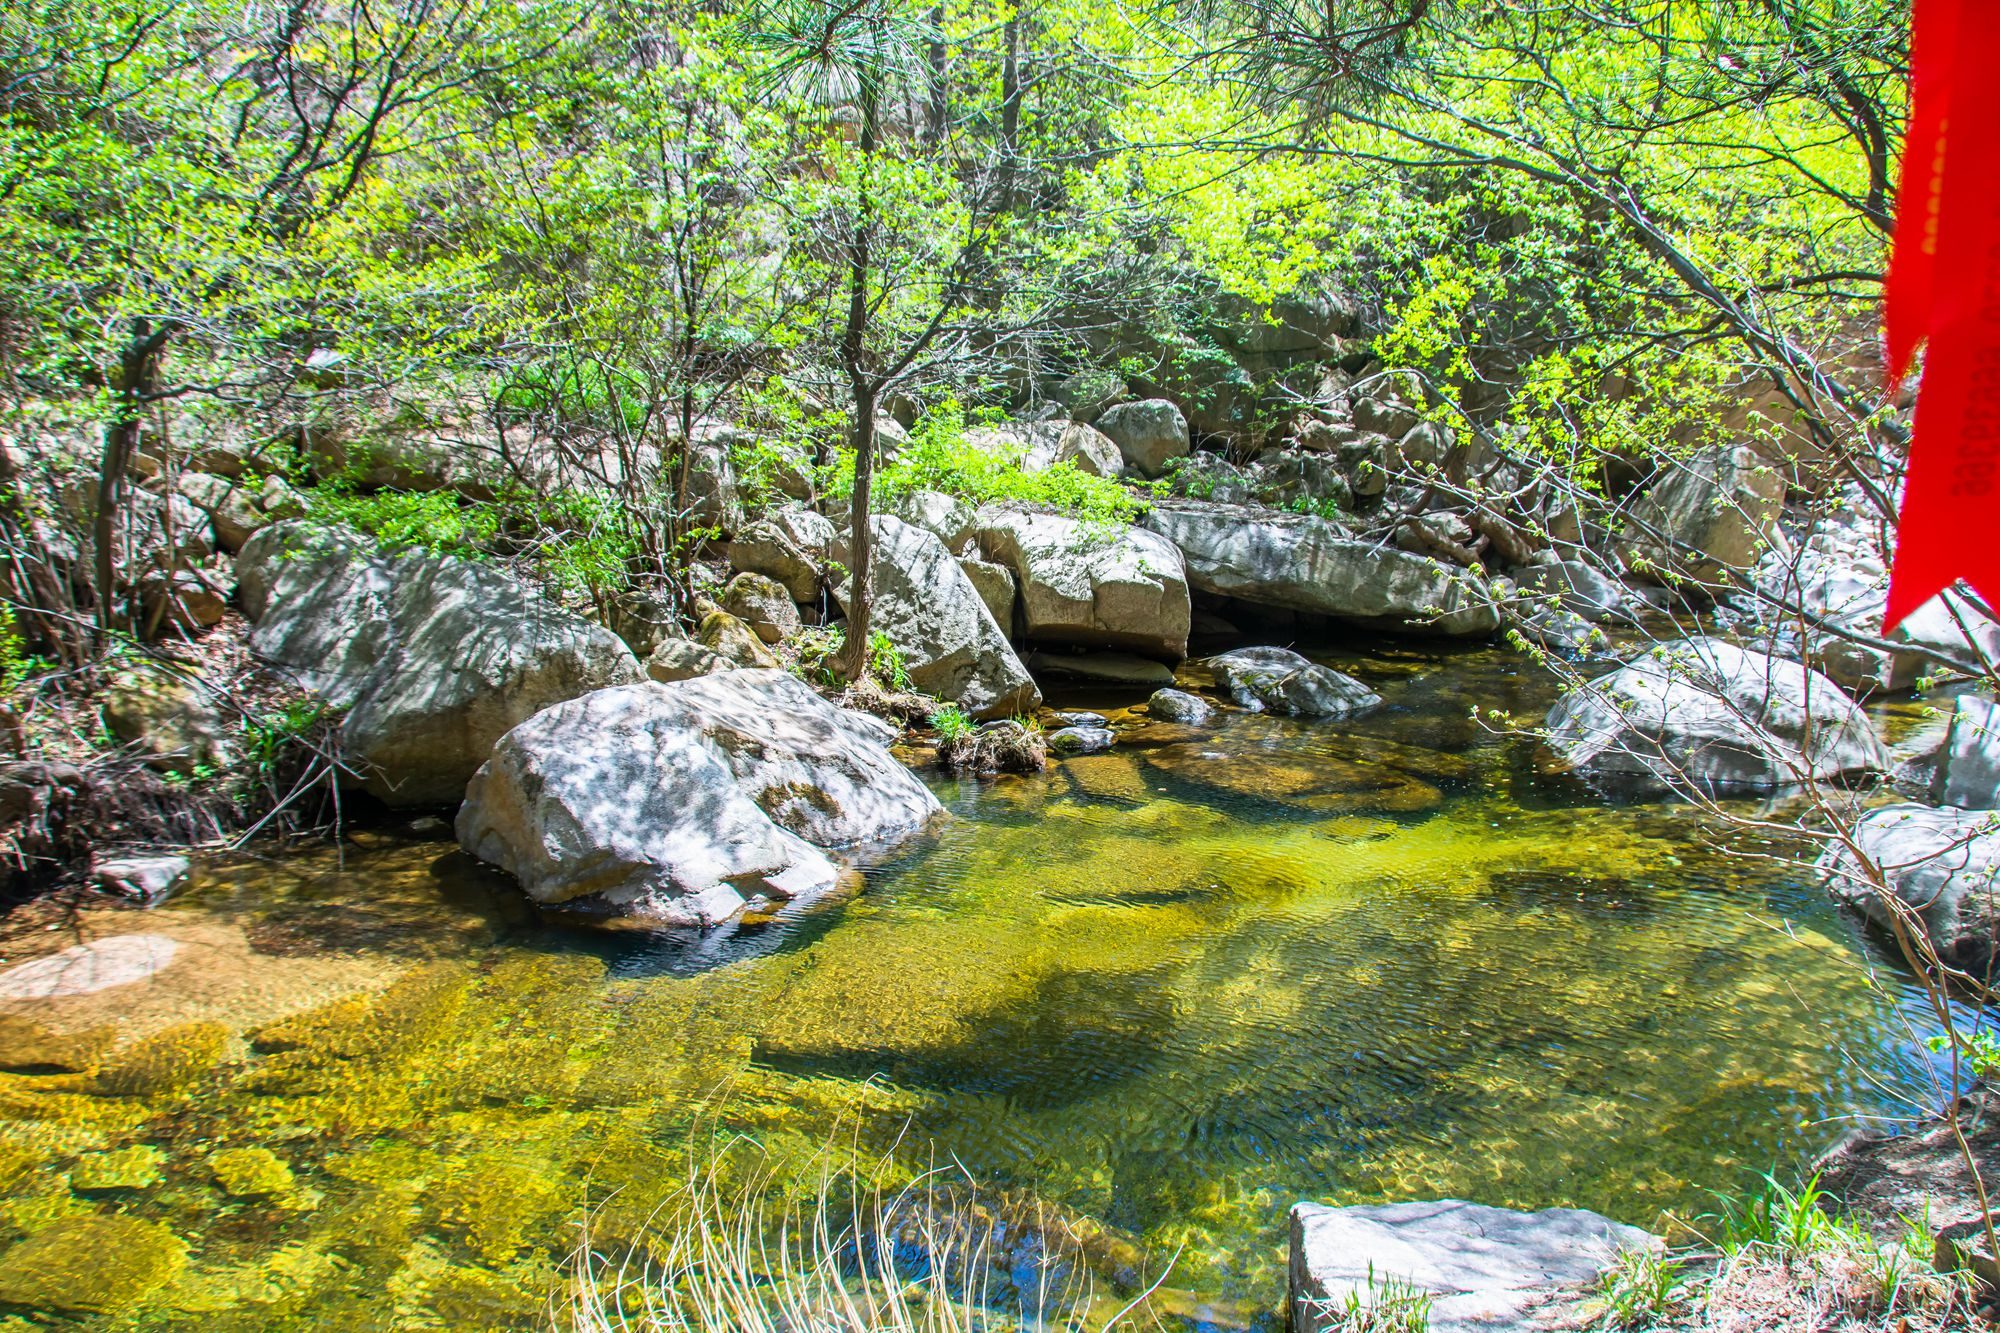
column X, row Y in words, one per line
column 494, row 1205
column 28, row 1047
column 133, row 1168
column 248, row 1173
column 166, row 1063
column 97, row 1264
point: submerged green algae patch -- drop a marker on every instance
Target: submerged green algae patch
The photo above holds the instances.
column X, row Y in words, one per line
column 1159, row 994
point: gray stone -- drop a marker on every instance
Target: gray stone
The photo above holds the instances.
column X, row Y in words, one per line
column 763, row 604
column 1090, row 586
column 1147, row 433
column 683, row 802
column 234, row 510
column 1086, row 448
column 1577, row 588
column 1080, row 719
column 1705, row 714
column 1968, row 770
column 995, row 586
column 171, row 718
column 1709, row 514
column 1482, row 1268
column 788, row 545
column 946, row 516
column 1081, row 740
column 85, row 969
column 144, row 879
column 1385, row 416
column 1281, row 681
column 431, row 658
column 1940, row 866
column 1180, row 706
column 1102, row 668
column 950, row 642
column 676, row 658
column 1314, row 565
column 732, row 639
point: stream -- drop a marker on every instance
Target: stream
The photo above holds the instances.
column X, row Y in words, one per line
column 1172, row 990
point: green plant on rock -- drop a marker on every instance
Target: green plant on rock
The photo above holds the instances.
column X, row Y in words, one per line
column 885, row 663
column 435, row 521
column 267, row 739
column 939, row 457
column 1640, row 1288
column 1385, row 1305
column 951, row 723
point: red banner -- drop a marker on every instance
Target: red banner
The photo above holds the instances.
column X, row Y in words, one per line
column 1944, row 290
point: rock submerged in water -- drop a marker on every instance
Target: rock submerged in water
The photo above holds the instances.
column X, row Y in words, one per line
column 682, row 802
column 1280, row 681
column 1180, row 706
column 431, row 657
column 1705, row 714
column 1481, row 1268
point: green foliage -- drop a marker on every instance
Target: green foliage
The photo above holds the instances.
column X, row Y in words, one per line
column 1640, row 1288
column 951, row 723
column 435, row 521
column 1770, row 1214
column 267, row 739
column 885, row 662
column 1387, row 1305
column 1979, row 1049
column 16, row 664
column 939, row 457
column 819, row 655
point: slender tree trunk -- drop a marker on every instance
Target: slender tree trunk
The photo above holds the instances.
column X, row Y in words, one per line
column 1010, row 112
column 939, row 106
column 853, row 355
column 121, row 440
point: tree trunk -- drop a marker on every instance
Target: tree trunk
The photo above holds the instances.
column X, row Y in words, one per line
column 121, row 440
column 1010, row 111
column 939, row 106
column 853, row 356
column 861, row 542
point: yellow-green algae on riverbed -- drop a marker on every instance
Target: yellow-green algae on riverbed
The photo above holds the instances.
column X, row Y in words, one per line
column 1171, row 990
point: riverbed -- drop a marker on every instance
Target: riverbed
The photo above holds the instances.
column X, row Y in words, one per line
column 1167, row 991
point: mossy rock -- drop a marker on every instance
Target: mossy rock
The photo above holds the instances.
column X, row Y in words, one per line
column 1109, row 777
column 26, row 1047
column 133, row 1168
column 165, row 1063
column 250, row 1173
column 92, row 1265
column 494, row 1205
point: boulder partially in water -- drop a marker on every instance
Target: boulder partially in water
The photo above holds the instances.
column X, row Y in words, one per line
column 1706, row 715
column 1313, row 564
column 683, row 801
column 1938, row 868
column 1475, row 1269
column 1968, row 768
column 1091, row 586
column 1278, row 680
column 432, row 658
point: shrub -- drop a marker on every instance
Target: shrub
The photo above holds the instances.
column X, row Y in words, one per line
column 938, row 457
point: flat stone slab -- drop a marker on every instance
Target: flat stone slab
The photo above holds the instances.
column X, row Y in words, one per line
column 118, row 960
column 1481, row 1267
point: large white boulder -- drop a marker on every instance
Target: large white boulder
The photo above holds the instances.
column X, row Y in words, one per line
column 1968, row 768
column 1705, row 715
column 682, row 802
column 1315, row 565
column 1938, row 866
column 1091, row 585
column 432, row 658
column 1709, row 513
column 1477, row 1269
column 789, row 545
column 1148, row 433
column 936, row 619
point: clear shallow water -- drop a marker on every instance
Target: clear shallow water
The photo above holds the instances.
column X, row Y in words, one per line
column 1171, row 990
